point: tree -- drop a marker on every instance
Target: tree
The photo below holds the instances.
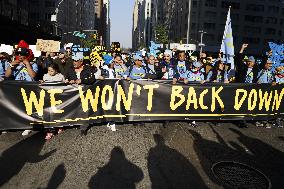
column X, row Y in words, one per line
column 161, row 34
column 89, row 42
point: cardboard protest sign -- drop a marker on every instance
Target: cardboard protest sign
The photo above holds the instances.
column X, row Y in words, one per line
column 6, row 48
column 47, row 45
column 35, row 51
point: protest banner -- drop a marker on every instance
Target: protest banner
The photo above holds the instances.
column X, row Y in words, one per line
column 30, row 104
column 47, row 45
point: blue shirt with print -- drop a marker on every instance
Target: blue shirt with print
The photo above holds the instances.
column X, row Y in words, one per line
column 219, row 77
column 195, row 76
column 136, row 73
column 265, row 76
column 181, row 68
column 23, row 74
column 3, row 67
column 119, row 71
column 249, row 76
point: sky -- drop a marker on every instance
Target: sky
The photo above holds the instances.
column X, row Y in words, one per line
column 121, row 22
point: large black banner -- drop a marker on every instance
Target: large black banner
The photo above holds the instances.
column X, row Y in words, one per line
column 25, row 105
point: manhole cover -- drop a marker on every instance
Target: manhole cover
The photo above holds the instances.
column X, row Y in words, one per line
column 241, row 176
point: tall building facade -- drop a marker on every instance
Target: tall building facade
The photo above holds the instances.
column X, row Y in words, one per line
column 72, row 16
column 255, row 22
column 144, row 20
column 102, row 21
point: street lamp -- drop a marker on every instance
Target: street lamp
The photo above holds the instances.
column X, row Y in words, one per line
column 54, row 17
column 201, row 44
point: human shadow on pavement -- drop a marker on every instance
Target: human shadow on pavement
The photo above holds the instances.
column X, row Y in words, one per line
column 170, row 169
column 210, row 152
column 57, row 177
column 267, row 158
column 281, row 138
column 117, row 173
column 28, row 150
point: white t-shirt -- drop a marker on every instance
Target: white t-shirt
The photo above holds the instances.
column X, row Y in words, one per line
column 56, row 78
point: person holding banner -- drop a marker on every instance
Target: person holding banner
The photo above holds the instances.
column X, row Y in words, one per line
column 195, row 74
column 218, row 74
column 22, row 69
column 182, row 67
column 248, row 72
column 137, row 71
column 119, row 66
column 265, row 75
column 64, row 62
column 80, row 73
column 108, row 68
column 168, row 65
column 4, row 63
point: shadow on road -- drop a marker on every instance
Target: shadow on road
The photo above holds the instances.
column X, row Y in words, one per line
column 267, row 158
column 255, row 153
column 57, row 177
column 170, row 169
column 118, row 173
column 13, row 159
column 281, row 138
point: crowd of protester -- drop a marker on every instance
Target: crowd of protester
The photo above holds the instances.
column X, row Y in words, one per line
column 177, row 66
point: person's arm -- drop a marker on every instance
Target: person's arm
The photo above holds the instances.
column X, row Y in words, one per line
column 10, row 68
column 31, row 70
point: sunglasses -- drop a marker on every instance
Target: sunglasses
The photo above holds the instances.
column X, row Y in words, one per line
column 21, row 54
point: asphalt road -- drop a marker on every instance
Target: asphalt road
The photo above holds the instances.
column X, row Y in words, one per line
column 150, row 156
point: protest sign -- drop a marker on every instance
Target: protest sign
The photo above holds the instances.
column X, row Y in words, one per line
column 47, row 45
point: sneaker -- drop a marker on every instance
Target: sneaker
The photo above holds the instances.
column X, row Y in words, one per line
column 259, row 124
column 111, row 126
column 26, row 132
column 268, row 126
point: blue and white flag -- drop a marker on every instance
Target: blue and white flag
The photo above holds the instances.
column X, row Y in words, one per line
column 227, row 47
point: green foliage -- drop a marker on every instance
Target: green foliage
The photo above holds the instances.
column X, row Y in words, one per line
column 161, row 34
column 89, row 42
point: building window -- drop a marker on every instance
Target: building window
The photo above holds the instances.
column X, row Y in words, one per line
column 211, row 3
column 49, row 4
column 273, row 9
column 210, row 14
column 227, row 4
column 209, row 37
column 254, row 7
column 194, row 4
column 270, row 31
column 251, row 40
column 256, row 19
column 252, row 29
column 271, row 20
column 209, row 26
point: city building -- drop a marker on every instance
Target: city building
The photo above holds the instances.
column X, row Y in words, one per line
column 35, row 18
column 255, row 22
column 102, row 22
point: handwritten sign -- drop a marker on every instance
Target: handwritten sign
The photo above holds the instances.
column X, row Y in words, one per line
column 47, row 45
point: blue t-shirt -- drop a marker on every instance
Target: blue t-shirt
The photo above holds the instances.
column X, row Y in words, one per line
column 194, row 76
column 219, row 77
column 23, row 75
column 136, row 73
column 3, row 67
column 265, row 76
column 181, row 68
column 119, row 71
